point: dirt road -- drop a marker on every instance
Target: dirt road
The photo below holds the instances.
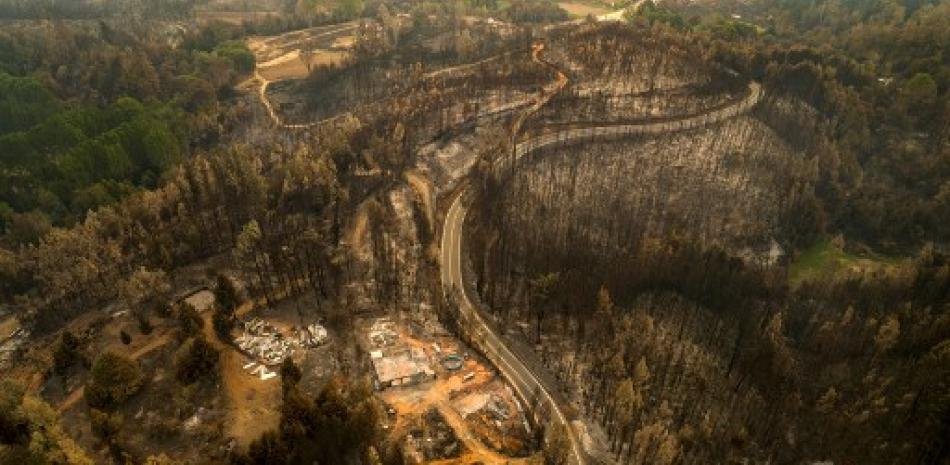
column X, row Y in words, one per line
column 245, row 421
column 437, row 396
column 148, row 348
column 263, row 83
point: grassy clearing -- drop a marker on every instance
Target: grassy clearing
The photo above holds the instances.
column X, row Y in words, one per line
column 827, row 260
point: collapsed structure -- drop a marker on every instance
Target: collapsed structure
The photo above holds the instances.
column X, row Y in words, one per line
column 395, row 363
column 269, row 347
column 405, row 368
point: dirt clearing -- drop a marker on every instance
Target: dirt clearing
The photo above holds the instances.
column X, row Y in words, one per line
column 487, row 421
column 233, row 17
column 294, row 65
column 8, row 325
column 582, row 9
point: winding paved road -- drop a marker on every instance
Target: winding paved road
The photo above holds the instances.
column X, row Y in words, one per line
column 526, row 383
column 516, row 371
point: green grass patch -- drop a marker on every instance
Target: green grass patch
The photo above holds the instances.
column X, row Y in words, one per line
column 827, row 260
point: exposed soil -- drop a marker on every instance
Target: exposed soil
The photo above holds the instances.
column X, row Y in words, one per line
column 233, row 17
column 8, row 324
column 582, row 9
column 455, row 395
column 294, row 65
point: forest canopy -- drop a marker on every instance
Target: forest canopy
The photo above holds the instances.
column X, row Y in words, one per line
column 89, row 114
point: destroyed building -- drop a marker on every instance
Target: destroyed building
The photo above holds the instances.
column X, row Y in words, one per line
column 400, row 369
column 394, row 363
column 267, row 345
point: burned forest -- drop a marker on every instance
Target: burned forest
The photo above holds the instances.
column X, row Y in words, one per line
column 533, row 232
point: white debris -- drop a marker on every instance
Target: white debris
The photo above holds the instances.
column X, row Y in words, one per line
column 269, row 350
column 266, row 375
column 264, row 342
column 383, row 333
column 268, row 346
column 498, row 408
column 312, row 336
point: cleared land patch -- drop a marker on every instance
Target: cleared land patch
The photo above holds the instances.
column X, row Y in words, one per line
column 827, row 260
column 233, row 17
column 582, row 9
column 297, row 65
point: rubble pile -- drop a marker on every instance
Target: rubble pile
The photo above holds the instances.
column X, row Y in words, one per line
column 402, row 368
column 10, row 344
column 382, row 333
column 265, row 342
column 269, row 350
column 394, row 362
column 498, row 408
column 440, row 441
column 312, row 336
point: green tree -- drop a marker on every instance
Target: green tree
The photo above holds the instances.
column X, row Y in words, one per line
column 113, row 379
column 343, row 420
column 290, row 374
column 241, row 58
column 225, row 294
column 920, row 90
column 66, row 353
column 24, row 102
column 190, row 321
column 920, row 98
column 146, row 292
column 223, row 323
column 196, row 359
column 105, row 425
column 28, row 228
column 30, row 432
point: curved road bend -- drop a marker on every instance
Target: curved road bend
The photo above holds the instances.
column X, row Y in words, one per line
column 510, row 365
